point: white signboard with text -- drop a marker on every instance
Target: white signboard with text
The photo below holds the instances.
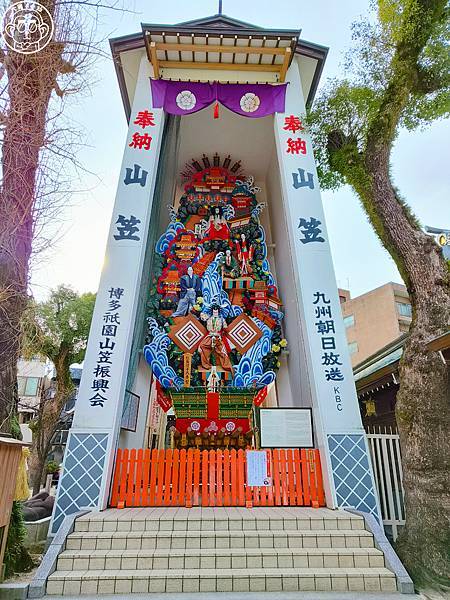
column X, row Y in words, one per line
column 257, row 468
column 286, row 428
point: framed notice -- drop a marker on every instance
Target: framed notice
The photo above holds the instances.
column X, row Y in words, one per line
column 257, row 468
column 286, row 428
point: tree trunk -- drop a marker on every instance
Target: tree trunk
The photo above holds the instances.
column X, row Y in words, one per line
column 49, row 416
column 422, row 406
column 422, row 413
column 36, row 466
column 30, row 82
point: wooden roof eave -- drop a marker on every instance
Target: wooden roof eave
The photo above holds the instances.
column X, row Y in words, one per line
column 217, row 32
column 377, row 379
column 154, row 46
column 138, row 40
column 442, row 342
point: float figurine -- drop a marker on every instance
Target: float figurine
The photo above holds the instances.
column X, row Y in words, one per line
column 245, row 255
column 214, row 341
column 191, row 286
column 217, row 227
column 229, row 265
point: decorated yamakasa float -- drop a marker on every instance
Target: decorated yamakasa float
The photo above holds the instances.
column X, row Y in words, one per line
column 215, row 319
column 217, row 370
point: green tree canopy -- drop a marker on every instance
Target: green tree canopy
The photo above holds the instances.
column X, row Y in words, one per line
column 57, row 329
column 59, row 326
column 400, row 62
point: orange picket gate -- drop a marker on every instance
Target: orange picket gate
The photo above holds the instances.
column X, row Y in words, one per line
column 215, row 478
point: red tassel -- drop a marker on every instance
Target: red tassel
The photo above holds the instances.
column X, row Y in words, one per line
column 216, row 110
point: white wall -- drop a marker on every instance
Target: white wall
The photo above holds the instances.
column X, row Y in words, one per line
column 141, row 387
column 292, row 382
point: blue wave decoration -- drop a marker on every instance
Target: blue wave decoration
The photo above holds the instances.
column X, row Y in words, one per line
column 155, row 354
column 265, row 263
column 249, row 372
column 163, row 243
column 213, row 293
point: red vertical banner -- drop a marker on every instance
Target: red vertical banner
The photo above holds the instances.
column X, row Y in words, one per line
column 212, row 399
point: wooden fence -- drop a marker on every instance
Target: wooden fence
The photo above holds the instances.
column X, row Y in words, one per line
column 214, row 478
column 10, row 453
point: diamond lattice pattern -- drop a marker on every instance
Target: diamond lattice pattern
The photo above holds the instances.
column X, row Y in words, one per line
column 82, row 475
column 352, row 472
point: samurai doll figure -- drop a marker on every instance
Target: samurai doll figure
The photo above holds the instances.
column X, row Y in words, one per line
column 214, row 342
column 191, row 287
column 229, row 265
column 245, row 255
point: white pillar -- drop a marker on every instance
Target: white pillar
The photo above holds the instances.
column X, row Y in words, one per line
column 92, row 441
column 348, row 476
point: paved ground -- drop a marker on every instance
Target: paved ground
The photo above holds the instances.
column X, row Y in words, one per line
column 250, row 596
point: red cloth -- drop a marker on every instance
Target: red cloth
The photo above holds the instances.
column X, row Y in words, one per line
column 164, row 402
column 223, row 233
column 212, row 399
column 260, row 396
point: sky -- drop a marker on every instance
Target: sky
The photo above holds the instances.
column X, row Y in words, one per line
column 419, row 161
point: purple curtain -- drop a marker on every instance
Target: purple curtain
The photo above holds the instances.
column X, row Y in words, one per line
column 249, row 100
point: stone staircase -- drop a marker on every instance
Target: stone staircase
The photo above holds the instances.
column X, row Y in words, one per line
column 145, row 550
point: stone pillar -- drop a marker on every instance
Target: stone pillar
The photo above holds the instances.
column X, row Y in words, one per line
column 348, row 477
column 92, row 441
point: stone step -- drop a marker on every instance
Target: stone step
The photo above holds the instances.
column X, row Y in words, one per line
column 233, row 558
column 217, row 520
column 226, row 580
column 219, row 539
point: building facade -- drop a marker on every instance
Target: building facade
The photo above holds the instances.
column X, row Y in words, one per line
column 33, row 378
column 374, row 319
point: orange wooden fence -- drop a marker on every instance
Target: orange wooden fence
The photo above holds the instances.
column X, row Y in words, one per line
column 214, row 478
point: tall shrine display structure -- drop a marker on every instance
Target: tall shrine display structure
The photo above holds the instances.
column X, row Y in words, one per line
column 218, row 292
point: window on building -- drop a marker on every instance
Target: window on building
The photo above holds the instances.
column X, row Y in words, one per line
column 27, row 386
column 404, row 310
column 21, row 383
column 349, row 321
column 353, row 347
column 31, row 389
